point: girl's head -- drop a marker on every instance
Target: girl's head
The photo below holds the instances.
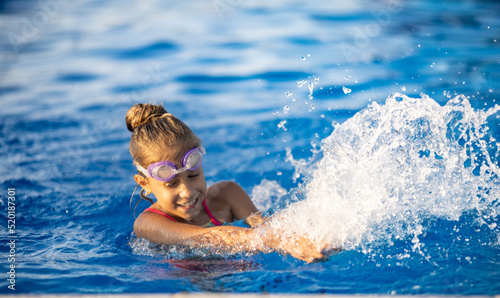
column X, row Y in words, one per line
column 158, row 136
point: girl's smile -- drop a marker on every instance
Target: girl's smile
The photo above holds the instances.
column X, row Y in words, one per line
column 190, row 205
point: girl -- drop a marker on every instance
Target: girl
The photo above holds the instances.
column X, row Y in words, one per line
column 168, row 157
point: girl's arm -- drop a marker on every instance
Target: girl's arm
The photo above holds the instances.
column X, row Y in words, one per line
column 261, row 240
column 160, row 230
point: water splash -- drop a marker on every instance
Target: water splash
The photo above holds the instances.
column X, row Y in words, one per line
column 303, row 167
column 267, row 192
column 393, row 167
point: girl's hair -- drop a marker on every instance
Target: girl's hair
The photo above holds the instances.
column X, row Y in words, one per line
column 155, row 133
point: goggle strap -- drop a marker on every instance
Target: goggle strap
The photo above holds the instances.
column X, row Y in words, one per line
column 141, row 169
column 177, row 171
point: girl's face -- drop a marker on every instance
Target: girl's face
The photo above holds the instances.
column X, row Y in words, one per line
column 183, row 195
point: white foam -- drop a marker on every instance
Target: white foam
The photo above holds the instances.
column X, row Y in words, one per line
column 267, row 192
column 391, row 167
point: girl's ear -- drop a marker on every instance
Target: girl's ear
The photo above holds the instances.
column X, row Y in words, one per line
column 141, row 180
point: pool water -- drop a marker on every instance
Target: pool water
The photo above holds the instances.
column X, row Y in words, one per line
column 370, row 125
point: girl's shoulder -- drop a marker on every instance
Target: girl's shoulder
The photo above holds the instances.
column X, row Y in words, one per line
column 233, row 197
column 224, row 191
column 217, row 194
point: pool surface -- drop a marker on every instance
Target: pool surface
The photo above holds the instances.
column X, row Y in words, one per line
column 372, row 125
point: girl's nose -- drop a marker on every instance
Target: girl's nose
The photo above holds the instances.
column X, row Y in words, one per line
column 186, row 189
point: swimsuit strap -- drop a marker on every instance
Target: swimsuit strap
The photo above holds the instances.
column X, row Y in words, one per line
column 161, row 213
column 212, row 218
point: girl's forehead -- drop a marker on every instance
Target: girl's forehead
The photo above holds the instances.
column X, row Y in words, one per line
column 175, row 153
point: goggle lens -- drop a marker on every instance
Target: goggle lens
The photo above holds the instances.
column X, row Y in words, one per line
column 192, row 159
column 164, row 172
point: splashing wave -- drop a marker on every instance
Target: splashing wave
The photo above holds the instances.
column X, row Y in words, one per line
column 393, row 167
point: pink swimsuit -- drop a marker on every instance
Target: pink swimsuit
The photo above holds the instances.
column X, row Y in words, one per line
column 212, row 218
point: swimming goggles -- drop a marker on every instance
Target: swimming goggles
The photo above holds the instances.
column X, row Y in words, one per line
column 166, row 170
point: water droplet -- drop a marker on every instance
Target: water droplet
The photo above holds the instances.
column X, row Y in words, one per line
column 346, row 90
column 286, row 109
column 300, row 83
column 403, row 88
column 288, row 93
column 282, row 124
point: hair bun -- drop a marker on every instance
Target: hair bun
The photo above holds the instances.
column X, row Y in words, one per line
column 142, row 113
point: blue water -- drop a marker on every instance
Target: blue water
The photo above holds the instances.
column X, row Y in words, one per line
column 287, row 96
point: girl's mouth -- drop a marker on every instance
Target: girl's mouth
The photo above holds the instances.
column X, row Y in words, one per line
column 189, row 205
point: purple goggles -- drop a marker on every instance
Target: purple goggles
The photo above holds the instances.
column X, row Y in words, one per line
column 166, row 170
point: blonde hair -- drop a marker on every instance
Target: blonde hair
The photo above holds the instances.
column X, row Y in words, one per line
column 154, row 131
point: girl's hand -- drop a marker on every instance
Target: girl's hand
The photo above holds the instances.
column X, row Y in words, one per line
column 303, row 248
column 255, row 219
column 299, row 247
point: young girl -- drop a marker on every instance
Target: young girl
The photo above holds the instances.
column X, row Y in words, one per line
column 168, row 157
